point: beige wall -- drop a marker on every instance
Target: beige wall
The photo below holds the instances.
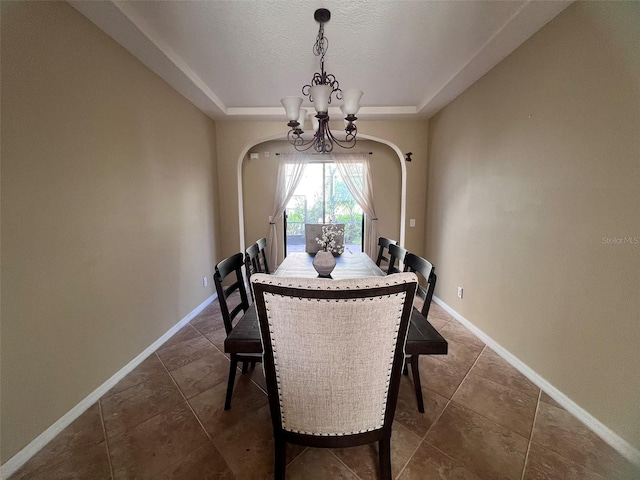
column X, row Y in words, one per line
column 234, row 138
column 108, row 212
column 530, row 171
column 408, row 136
column 259, row 188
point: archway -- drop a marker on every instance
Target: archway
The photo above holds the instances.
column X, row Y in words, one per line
column 280, row 136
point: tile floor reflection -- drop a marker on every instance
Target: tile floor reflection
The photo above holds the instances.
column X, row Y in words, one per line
column 165, row 420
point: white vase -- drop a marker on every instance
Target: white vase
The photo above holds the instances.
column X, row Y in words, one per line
column 324, row 263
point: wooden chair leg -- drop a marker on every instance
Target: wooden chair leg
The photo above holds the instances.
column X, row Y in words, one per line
column 384, row 454
column 253, row 365
column 232, row 378
column 280, row 459
column 245, row 366
column 405, row 370
column 415, row 372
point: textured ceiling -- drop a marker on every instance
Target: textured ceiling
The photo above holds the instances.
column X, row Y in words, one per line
column 238, row 58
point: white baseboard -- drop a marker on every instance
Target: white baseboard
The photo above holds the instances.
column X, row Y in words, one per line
column 605, row 433
column 20, row 458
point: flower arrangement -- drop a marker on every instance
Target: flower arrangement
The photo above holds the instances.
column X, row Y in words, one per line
column 328, row 239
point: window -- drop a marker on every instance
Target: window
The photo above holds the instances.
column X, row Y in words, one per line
column 322, row 197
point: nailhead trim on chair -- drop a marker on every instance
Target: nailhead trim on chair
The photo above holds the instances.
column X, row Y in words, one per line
column 303, row 283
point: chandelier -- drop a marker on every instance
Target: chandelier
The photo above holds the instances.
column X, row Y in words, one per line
column 323, row 86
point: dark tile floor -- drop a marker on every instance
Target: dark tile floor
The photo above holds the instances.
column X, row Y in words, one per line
column 482, row 420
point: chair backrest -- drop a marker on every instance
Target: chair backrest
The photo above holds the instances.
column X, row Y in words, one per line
column 396, row 254
column 345, row 337
column 262, row 246
column 383, row 243
column 230, row 306
column 252, row 263
column 417, row 264
column 253, row 260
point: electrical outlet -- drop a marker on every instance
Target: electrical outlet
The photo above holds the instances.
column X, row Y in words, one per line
column 412, row 222
column 204, row 281
column 459, row 292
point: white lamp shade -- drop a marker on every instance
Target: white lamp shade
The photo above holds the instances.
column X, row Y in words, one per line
column 303, row 115
column 320, row 97
column 315, row 123
column 351, row 99
column 292, row 107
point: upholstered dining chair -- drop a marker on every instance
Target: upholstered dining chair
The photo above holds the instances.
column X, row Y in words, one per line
column 333, row 356
column 396, row 254
column 418, row 265
column 313, row 231
column 383, row 244
column 233, row 301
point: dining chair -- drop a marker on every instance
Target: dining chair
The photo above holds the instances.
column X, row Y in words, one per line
column 396, row 254
column 252, row 263
column 383, row 243
column 233, row 300
column 253, row 259
column 333, row 356
column 418, row 265
column 262, row 246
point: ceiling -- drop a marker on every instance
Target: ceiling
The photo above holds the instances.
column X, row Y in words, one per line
column 237, row 59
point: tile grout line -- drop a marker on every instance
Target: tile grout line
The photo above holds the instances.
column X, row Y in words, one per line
column 222, row 352
column 546, row 447
column 106, row 440
column 296, row 459
column 339, row 461
column 424, row 439
column 456, row 390
column 107, row 395
column 533, row 425
column 404, row 467
column 186, row 400
column 507, row 388
column 497, row 383
column 410, row 457
column 485, row 417
column 435, row 420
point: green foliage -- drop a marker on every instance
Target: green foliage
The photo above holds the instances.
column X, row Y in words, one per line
column 339, row 207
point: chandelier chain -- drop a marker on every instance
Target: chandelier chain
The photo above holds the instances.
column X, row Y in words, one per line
column 322, row 78
column 321, row 45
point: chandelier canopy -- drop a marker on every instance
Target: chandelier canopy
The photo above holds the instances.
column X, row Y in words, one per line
column 323, row 86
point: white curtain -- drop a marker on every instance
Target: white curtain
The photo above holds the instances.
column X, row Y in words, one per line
column 356, row 174
column 284, row 191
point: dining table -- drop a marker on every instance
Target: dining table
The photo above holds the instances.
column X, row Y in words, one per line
column 422, row 337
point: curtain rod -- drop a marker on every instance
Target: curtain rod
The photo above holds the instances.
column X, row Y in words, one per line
column 333, row 154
